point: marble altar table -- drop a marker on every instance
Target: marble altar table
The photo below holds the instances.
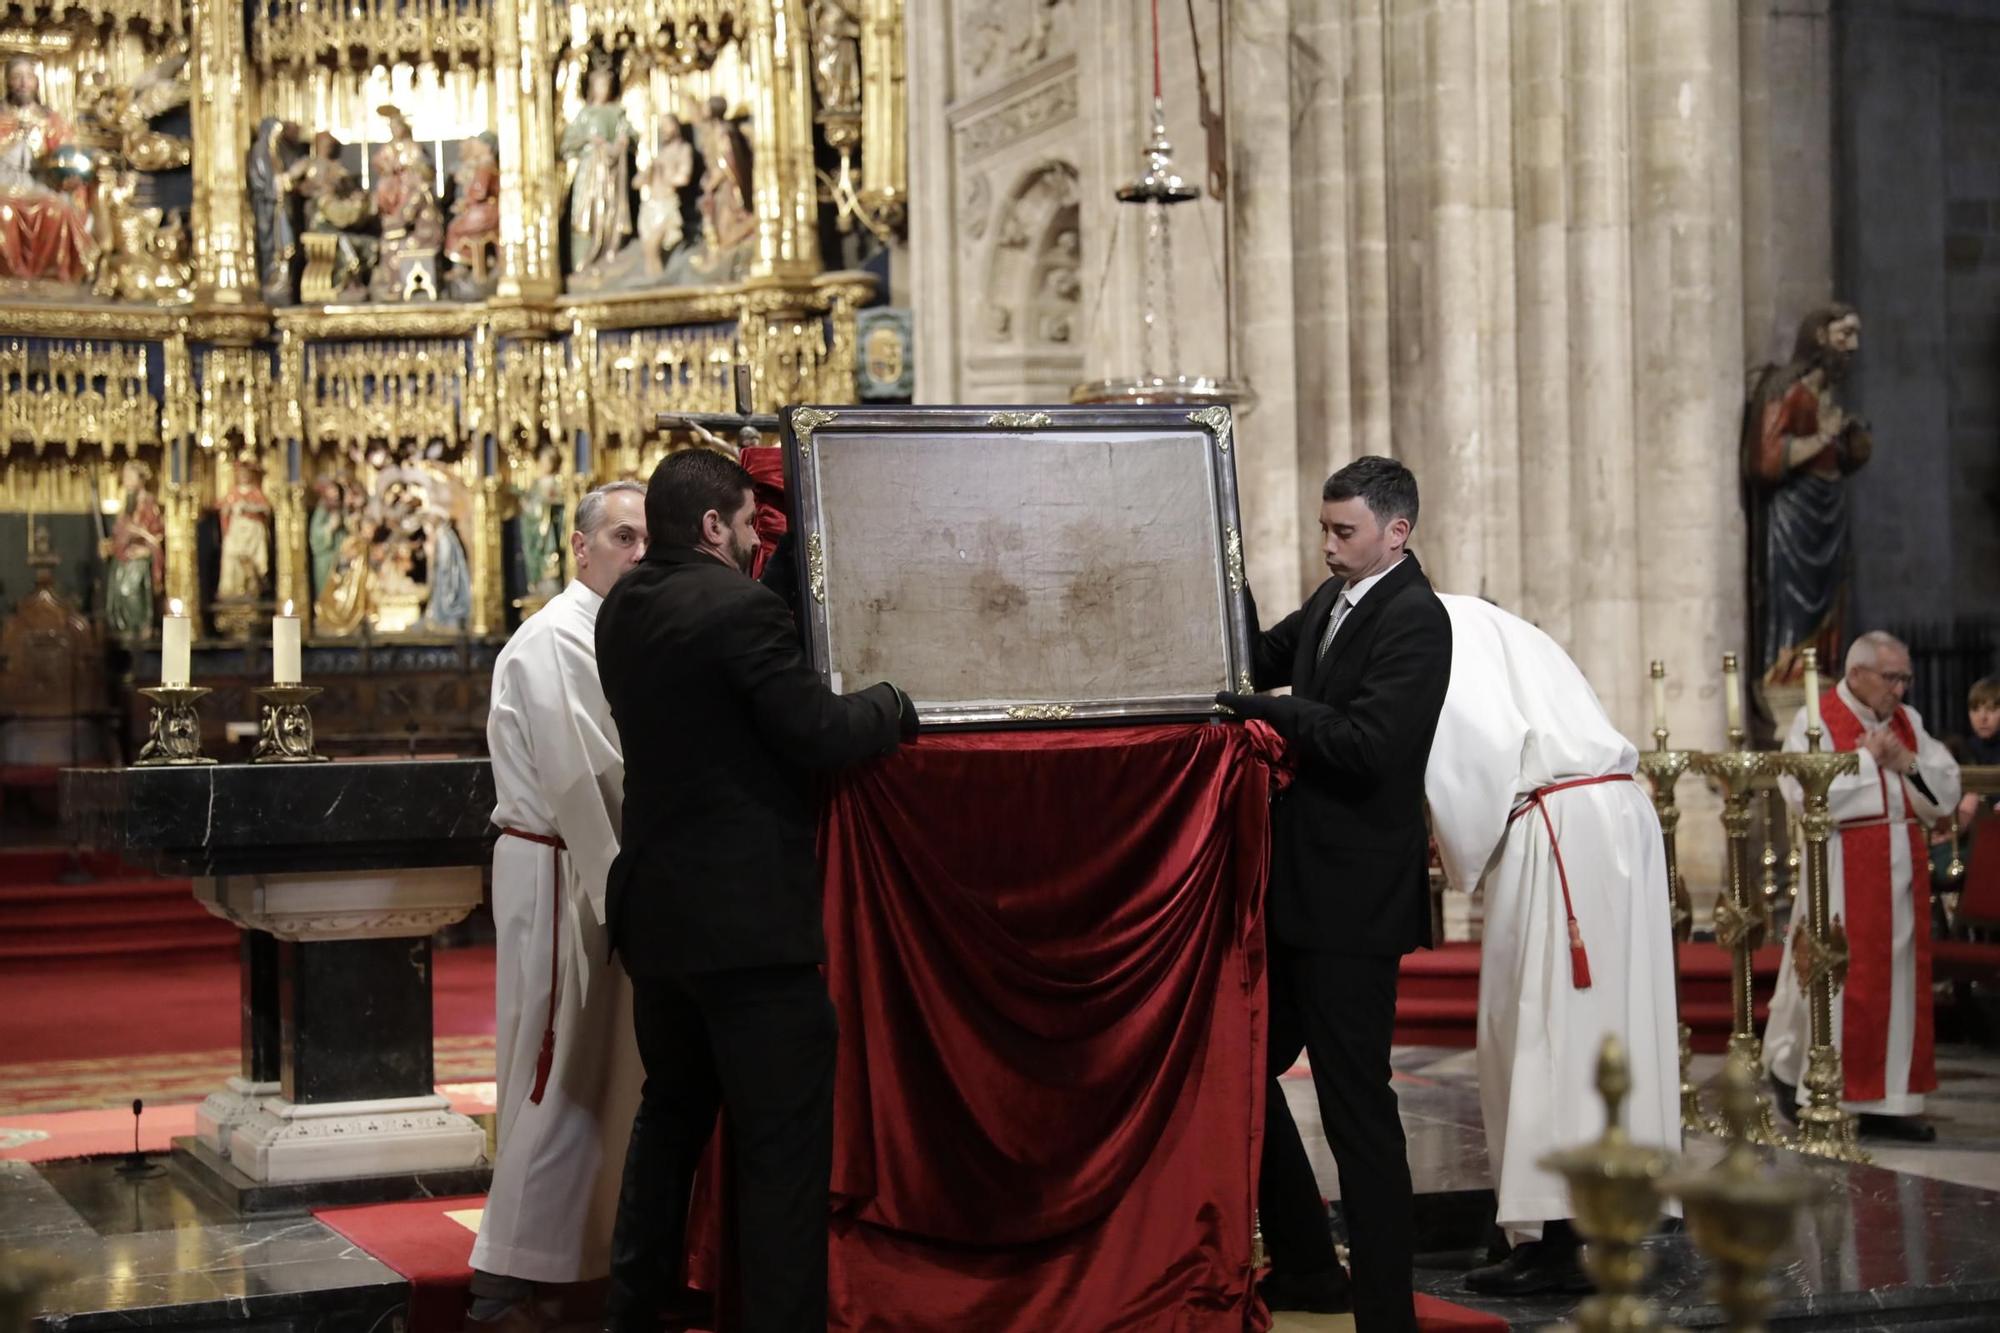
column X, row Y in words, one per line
column 338, row 874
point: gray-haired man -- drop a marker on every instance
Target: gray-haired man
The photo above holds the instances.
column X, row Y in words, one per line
column 560, row 782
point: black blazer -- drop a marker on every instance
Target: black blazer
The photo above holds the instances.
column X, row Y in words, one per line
column 1350, row 848
column 723, row 723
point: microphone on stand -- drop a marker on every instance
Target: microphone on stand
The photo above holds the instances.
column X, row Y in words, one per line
column 137, row 1165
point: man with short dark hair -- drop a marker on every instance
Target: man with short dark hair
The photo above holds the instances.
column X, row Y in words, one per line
column 714, row 902
column 1368, row 657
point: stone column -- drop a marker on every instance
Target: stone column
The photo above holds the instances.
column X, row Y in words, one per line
column 1275, row 506
column 1605, row 590
column 935, row 221
column 1687, row 329
column 1541, row 256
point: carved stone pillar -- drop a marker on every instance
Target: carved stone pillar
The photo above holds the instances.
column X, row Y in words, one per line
column 225, row 270
column 787, row 190
column 524, row 120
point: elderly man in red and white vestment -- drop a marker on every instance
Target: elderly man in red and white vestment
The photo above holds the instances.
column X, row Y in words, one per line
column 1878, row 874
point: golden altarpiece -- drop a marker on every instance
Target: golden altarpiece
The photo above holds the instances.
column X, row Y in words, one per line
column 345, row 305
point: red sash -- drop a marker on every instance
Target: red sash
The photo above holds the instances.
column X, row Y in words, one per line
column 1871, row 924
column 1579, row 960
column 546, row 1061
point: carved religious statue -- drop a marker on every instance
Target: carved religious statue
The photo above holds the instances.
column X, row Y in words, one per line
column 137, row 552
column 450, row 605
column 596, row 144
column 541, row 528
column 339, row 254
column 341, row 606
column 145, row 249
column 406, row 204
column 1799, row 447
column 44, row 230
column 246, row 536
column 836, row 37
column 325, row 531
column 267, row 173
column 472, row 238
column 663, row 209
column 728, row 211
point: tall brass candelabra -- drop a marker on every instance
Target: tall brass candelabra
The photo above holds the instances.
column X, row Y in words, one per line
column 1819, row 949
column 1742, row 917
column 1663, row 768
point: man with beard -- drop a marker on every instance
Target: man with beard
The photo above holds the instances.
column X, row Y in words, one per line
column 1799, row 446
column 714, row 900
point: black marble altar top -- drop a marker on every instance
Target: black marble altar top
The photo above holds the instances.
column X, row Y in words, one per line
column 219, row 819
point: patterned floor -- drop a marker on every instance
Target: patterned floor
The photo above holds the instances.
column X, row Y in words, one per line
column 162, row 1080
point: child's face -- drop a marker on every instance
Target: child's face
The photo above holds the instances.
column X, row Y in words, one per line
column 1985, row 721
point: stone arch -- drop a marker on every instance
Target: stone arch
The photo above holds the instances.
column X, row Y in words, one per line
column 1033, row 290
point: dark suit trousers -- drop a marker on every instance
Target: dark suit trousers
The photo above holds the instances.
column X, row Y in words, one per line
column 758, row 1042
column 1341, row 1010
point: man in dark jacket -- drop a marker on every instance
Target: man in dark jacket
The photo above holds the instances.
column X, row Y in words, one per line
column 1367, row 657
column 714, row 900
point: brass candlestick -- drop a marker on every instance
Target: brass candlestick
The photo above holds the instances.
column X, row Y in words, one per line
column 176, row 736
column 1819, row 949
column 285, row 728
column 1740, row 1214
column 1614, row 1196
column 1742, row 921
column 1771, row 886
column 1663, row 768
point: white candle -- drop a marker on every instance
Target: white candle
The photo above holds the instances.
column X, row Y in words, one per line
column 1812, row 689
column 285, row 647
column 1732, row 692
column 1659, row 696
column 176, row 638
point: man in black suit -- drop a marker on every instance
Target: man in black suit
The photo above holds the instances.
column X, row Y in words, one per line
column 714, row 900
column 1367, row 658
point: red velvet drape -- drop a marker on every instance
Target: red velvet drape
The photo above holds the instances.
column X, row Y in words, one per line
column 1046, row 951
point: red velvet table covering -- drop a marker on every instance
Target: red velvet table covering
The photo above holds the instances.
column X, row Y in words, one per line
column 1046, row 951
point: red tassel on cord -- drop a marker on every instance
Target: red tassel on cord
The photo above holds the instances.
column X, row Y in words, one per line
column 1579, row 961
column 546, row 1061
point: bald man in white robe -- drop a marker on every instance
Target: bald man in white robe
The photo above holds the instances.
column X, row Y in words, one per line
column 567, row 1062
column 1532, row 796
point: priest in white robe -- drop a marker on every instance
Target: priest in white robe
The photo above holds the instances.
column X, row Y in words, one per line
column 1532, row 796
column 567, row 1062
column 1878, row 881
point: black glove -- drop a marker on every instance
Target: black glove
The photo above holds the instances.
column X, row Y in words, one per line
column 1280, row 710
column 906, row 717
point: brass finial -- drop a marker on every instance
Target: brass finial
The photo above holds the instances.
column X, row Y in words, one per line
column 1739, row 1213
column 1614, row 1197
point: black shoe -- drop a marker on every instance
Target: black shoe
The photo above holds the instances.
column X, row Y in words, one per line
column 1535, row 1266
column 1787, row 1098
column 1327, row 1292
column 1907, row 1128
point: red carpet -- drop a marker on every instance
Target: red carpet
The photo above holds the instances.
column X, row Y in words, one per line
column 151, row 1006
column 417, row 1240
column 1437, row 997
column 1436, row 1316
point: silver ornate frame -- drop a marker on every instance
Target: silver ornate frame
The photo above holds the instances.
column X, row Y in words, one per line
column 811, row 436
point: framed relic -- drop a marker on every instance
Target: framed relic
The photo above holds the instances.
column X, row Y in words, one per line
column 1028, row 565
